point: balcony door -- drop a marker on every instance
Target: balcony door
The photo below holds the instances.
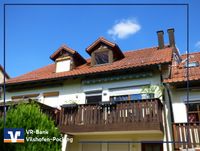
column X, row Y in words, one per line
column 152, row 147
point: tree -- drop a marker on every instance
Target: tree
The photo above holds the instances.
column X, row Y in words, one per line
column 29, row 117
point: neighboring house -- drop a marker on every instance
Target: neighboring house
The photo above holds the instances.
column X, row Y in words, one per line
column 102, row 100
column 185, row 123
column 2, row 72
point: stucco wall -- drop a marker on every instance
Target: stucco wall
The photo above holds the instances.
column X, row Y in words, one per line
column 1, row 77
column 74, row 90
column 179, row 99
column 78, row 140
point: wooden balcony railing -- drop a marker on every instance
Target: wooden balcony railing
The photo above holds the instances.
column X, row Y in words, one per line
column 187, row 135
column 120, row 116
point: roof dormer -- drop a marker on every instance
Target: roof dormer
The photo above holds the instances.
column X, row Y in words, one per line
column 103, row 51
column 66, row 59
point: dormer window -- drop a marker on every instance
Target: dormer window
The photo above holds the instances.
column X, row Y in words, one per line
column 103, row 51
column 101, row 57
column 66, row 59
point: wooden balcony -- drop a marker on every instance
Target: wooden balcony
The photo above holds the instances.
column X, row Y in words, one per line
column 187, row 135
column 121, row 116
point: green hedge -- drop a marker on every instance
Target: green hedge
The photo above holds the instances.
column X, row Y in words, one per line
column 29, row 116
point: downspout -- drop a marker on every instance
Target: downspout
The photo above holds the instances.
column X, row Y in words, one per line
column 163, row 98
column 170, row 101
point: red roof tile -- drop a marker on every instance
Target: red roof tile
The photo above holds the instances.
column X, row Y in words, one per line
column 179, row 72
column 132, row 59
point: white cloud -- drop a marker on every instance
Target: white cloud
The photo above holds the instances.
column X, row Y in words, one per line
column 197, row 45
column 124, row 28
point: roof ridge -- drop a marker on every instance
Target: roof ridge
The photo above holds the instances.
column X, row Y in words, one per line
column 190, row 53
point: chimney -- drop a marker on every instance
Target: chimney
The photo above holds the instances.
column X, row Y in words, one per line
column 171, row 37
column 160, row 39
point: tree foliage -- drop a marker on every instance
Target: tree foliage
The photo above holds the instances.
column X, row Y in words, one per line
column 157, row 90
column 29, row 117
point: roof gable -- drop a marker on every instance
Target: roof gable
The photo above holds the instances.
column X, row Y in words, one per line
column 66, row 51
column 102, row 41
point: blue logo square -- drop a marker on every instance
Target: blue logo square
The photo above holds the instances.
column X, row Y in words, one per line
column 13, row 135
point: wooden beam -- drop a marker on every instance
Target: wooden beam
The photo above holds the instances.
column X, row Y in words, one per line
column 25, row 96
column 47, row 94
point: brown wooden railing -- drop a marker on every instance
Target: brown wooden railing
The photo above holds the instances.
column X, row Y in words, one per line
column 120, row 116
column 187, row 135
column 51, row 112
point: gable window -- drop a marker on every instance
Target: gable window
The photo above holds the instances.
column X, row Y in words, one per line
column 93, row 97
column 101, row 57
column 193, row 112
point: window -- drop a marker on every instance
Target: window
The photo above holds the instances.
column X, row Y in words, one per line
column 152, row 147
column 194, row 112
column 136, row 96
column 192, row 64
column 93, row 97
column 119, row 98
column 101, row 57
column 132, row 97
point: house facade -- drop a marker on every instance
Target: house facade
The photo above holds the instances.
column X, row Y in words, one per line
column 115, row 100
column 2, row 73
column 185, row 101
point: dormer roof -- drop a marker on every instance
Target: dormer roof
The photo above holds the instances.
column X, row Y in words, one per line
column 64, row 50
column 101, row 40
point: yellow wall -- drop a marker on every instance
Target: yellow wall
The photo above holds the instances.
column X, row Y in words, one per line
column 77, row 146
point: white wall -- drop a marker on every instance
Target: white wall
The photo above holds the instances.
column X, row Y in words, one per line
column 74, row 90
column 1, row 76
column 178, row 103
column 63, row 65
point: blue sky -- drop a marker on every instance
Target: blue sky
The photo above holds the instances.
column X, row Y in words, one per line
column 33, row 33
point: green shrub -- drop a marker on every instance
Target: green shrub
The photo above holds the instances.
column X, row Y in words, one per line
column 29, row 116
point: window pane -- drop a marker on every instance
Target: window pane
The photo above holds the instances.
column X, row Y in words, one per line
column 136, row 97
column 193, row 112
column 101, row 57
column 93, row 99
column 119, row 98
column 192, row 107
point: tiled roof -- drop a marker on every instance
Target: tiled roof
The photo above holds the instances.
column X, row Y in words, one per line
column 179, row 72
column 132, row 59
